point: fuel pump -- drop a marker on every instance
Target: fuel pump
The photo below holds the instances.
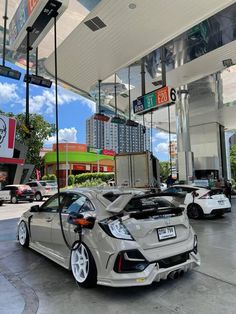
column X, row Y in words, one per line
column 80, row 221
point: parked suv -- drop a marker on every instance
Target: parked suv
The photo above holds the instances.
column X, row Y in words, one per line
column 17, row 192
column 43, row 189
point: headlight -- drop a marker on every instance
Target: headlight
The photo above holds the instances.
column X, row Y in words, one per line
column 116, row 229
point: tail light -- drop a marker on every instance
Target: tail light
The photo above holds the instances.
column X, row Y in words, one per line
column 19, row 192
column 130, row 261
column 205, row 196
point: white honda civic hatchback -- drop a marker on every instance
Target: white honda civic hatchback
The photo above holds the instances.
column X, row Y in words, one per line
column 199, row 201
column 118, row 238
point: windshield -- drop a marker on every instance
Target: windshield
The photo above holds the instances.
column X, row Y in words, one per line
column 48, row 183
column 141, row 203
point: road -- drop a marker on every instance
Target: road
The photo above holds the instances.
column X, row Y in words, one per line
column 30, row 283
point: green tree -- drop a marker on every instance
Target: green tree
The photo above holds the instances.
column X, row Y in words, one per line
column 39, row 131
column 164, row 170
column 233, row 161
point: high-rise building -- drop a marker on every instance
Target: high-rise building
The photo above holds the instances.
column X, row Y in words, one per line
column 117, row 137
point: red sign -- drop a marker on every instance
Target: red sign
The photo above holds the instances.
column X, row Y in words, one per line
column 108, row 152
column 162, row 96
column 79, row 167
column 7, row 136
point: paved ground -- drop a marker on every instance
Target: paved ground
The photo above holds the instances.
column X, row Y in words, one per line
column 30, row 283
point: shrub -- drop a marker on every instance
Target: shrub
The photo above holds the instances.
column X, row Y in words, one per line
column 71, row 179
column 52, row 177
column 83, row 177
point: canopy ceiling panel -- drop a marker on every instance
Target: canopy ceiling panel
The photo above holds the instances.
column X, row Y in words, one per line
column 86, row 56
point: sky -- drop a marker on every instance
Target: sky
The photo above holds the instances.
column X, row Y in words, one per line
column 73, row 111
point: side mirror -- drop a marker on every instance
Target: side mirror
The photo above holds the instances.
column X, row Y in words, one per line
column 34, row 209
column 80, row 220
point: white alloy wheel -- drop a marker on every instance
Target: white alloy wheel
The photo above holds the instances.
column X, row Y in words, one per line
column 23, row 234
column 80, row 263
column 14, row 200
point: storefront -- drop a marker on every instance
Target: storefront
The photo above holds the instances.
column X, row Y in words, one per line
column 77, row 158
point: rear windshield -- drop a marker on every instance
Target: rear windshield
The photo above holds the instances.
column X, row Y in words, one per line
column 215, row 191
column 141, row 202
column 147, row 203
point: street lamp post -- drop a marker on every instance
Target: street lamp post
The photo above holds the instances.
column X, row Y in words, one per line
column 98, row 163
column 66, row 160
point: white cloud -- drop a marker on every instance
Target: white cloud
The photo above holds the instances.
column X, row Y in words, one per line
column 161, row 135
column 8, row 92
column 64, row 135
column 89, row 103
column 45, row 103
column 161, row 148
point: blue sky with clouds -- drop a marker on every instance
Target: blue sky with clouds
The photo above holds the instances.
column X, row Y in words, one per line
column 73, row 111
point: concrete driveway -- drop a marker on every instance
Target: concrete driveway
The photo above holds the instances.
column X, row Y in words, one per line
column 30, row 283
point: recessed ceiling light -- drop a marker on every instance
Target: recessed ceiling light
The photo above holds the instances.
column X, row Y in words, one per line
column 132, row 6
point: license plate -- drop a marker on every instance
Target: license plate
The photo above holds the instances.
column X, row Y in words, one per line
column 221, row 202
column 166, row 233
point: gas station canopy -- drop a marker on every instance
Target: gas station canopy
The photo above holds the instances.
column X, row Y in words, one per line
column 115, row 34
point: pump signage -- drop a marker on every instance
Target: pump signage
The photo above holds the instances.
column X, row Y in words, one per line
column 154, row 100
column 7, row 136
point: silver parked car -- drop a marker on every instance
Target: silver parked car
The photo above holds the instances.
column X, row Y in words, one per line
column 43, row 189
column 127, row 239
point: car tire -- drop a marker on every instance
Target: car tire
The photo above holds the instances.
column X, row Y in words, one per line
column 83, row 267
column 23, row 234
column 14, row 200
column 38, row 196
column 194, row 211
column 1, row 203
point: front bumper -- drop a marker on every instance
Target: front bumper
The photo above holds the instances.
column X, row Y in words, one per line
column 26, row 197
column 153, row 273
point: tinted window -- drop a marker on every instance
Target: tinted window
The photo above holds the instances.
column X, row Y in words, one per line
column 52, row 204
column 43, row 183
column 82, row 204
column 6, row 188
column 68, row 200
column 147, row 202
column 32, row 184
column 173, row 190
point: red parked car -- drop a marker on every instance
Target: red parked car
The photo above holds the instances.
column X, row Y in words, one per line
column 16, row 192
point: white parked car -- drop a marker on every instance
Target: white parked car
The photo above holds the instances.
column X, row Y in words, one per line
column 204, row 202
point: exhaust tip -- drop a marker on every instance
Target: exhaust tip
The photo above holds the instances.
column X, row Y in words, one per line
column 181, row 273
column 172, row 275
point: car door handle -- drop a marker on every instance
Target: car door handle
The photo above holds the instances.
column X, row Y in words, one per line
column 49, row 219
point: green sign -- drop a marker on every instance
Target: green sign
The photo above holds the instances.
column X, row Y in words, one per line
column 149, row 101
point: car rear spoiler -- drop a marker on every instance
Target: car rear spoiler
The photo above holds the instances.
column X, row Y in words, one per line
column 119, row 204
